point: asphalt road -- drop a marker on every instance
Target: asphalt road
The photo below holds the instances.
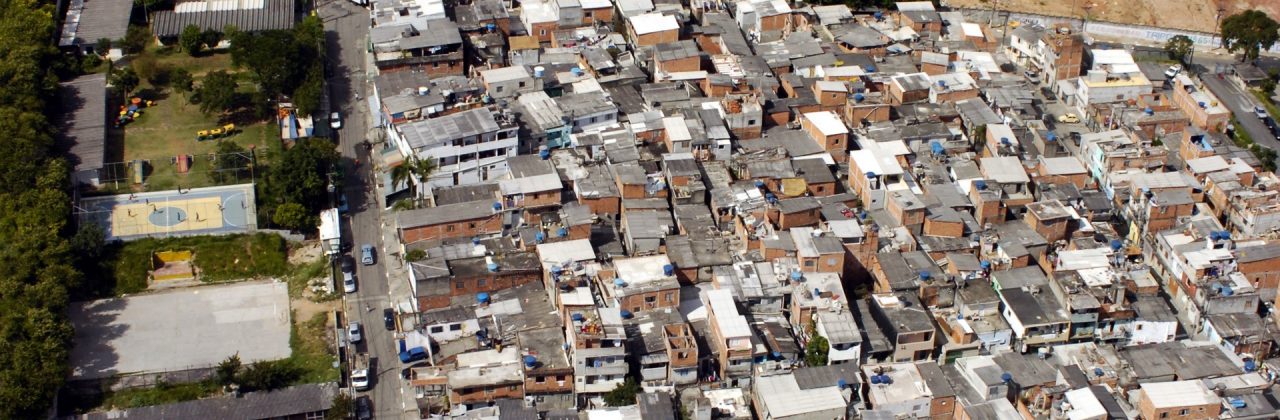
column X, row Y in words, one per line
column 347, row 30
column 1241, row 104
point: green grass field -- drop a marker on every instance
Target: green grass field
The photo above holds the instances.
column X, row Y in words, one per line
column 219, row 258
column 168, row 129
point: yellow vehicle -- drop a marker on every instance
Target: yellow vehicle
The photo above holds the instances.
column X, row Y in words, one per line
column 229, row 129
column 202, row 135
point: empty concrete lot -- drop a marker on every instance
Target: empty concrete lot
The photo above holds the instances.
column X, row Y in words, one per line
column 180, row 329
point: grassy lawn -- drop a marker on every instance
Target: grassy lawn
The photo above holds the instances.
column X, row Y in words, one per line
column 311, row 356
column 219, row 258
column 160, row 394
column 168, row 128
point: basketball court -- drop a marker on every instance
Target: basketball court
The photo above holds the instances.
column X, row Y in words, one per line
column 183, row 212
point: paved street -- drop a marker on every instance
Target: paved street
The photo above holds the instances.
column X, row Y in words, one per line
column 1241, row 105
column 347, row 29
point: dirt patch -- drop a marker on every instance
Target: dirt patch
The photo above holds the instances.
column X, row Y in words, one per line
column 1192, row 15
column 309, row 251
column 306, row 308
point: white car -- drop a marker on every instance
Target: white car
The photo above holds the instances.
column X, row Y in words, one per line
column 1173, row 71
column 348, row 282
column 1068, row 118
column 1260, row 112
column 335, row 120
column 353, row 332
column 360, row 379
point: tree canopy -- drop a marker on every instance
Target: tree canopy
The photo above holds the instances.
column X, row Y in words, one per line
column 1249, row 32
column 300, row 175
column 190, row 40
column 1179, row 48
column 36, row 262
column 815, row 353
column 624, row 394
column 280, row 61
column 217, row 92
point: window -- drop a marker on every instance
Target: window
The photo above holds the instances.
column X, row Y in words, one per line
column 460, row 285
column 455, row 327
column 480, row 282
column 559, row 378
column 498, row 89
column 448, row 228
column 1184, row 412
column 751, row 122
column 539, row 379
column 1164, row 415
column 522, row 84
column 650, row 299
column 437, row 329
column 671, row 297
column 471, row 225
column 542, row 32
column 822, row 188
column 831, row 261
column 808, row 263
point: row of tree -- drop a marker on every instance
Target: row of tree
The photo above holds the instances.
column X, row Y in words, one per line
column 37, row 266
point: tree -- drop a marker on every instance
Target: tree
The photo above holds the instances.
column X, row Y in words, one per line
column 103, row 47
column 180, row 80
column 1179, row 48
column 815, row 353
column 147, row 68
column 412, row 169
column 415, row 255
column 218, row 92
column 190, row 41
column 136, row 39
column 267, row 376
column 341, row 409
column 1249, row 31
column 307, row 96
column 272, row 58
column 624, row 394
column 293, row 216
column 300, row 174
column 227, row 370
column 126, row 80
column 210, row 38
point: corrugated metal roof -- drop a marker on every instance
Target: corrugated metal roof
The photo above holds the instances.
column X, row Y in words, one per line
column 248, row 16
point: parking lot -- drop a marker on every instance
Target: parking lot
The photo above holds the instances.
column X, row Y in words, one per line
column 181, row 329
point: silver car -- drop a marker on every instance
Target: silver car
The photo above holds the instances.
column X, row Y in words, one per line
column 348, row 282
column 353, row 332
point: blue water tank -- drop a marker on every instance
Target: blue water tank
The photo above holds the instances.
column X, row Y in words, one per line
column 1213, row 235
column 1051, row 136
column 1116, row 244
column 1004, row 141
column 539, row 237
column 619, row 283
column 1225, row 235
column 1226, row 291
column 497, row 206
column 491, row 26
column 1202, row 104
column 985, row 264
column 493, row 267
column 1238, row 403
column 871, row 69
column 770, row 197
column 625, row 314
column 981, row 184
column 1098, row 372
column 577, row 317
column 879, row 15
column 576, row 71
column 924, row 275
column 1149, row 111
column 777, row 355
column 1250, row 365
column 862, row 214
column 875, row 379
column 475, row 241
column 1006, row 377
column 668, row 270
column 858, row 97
column 562, row 232
column 885, row 379
column 841, row 383
column 796, row 275
column 937, row 147
column 482, row 297
column 544, row 154
column 942, row 83
column 555, row 269
column 530, row 361
column 759, row 184
column 871, row 175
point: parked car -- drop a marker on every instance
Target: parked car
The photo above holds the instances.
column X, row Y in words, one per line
column 348, row 264
column 366, row 254
column 353, row 332
column 1068, row 118
column 335, row 120
column 1260, row 112
column 389, row 319
column 348, row 282
column 1173, row 71
column 364, row 408
column 1032, row 76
